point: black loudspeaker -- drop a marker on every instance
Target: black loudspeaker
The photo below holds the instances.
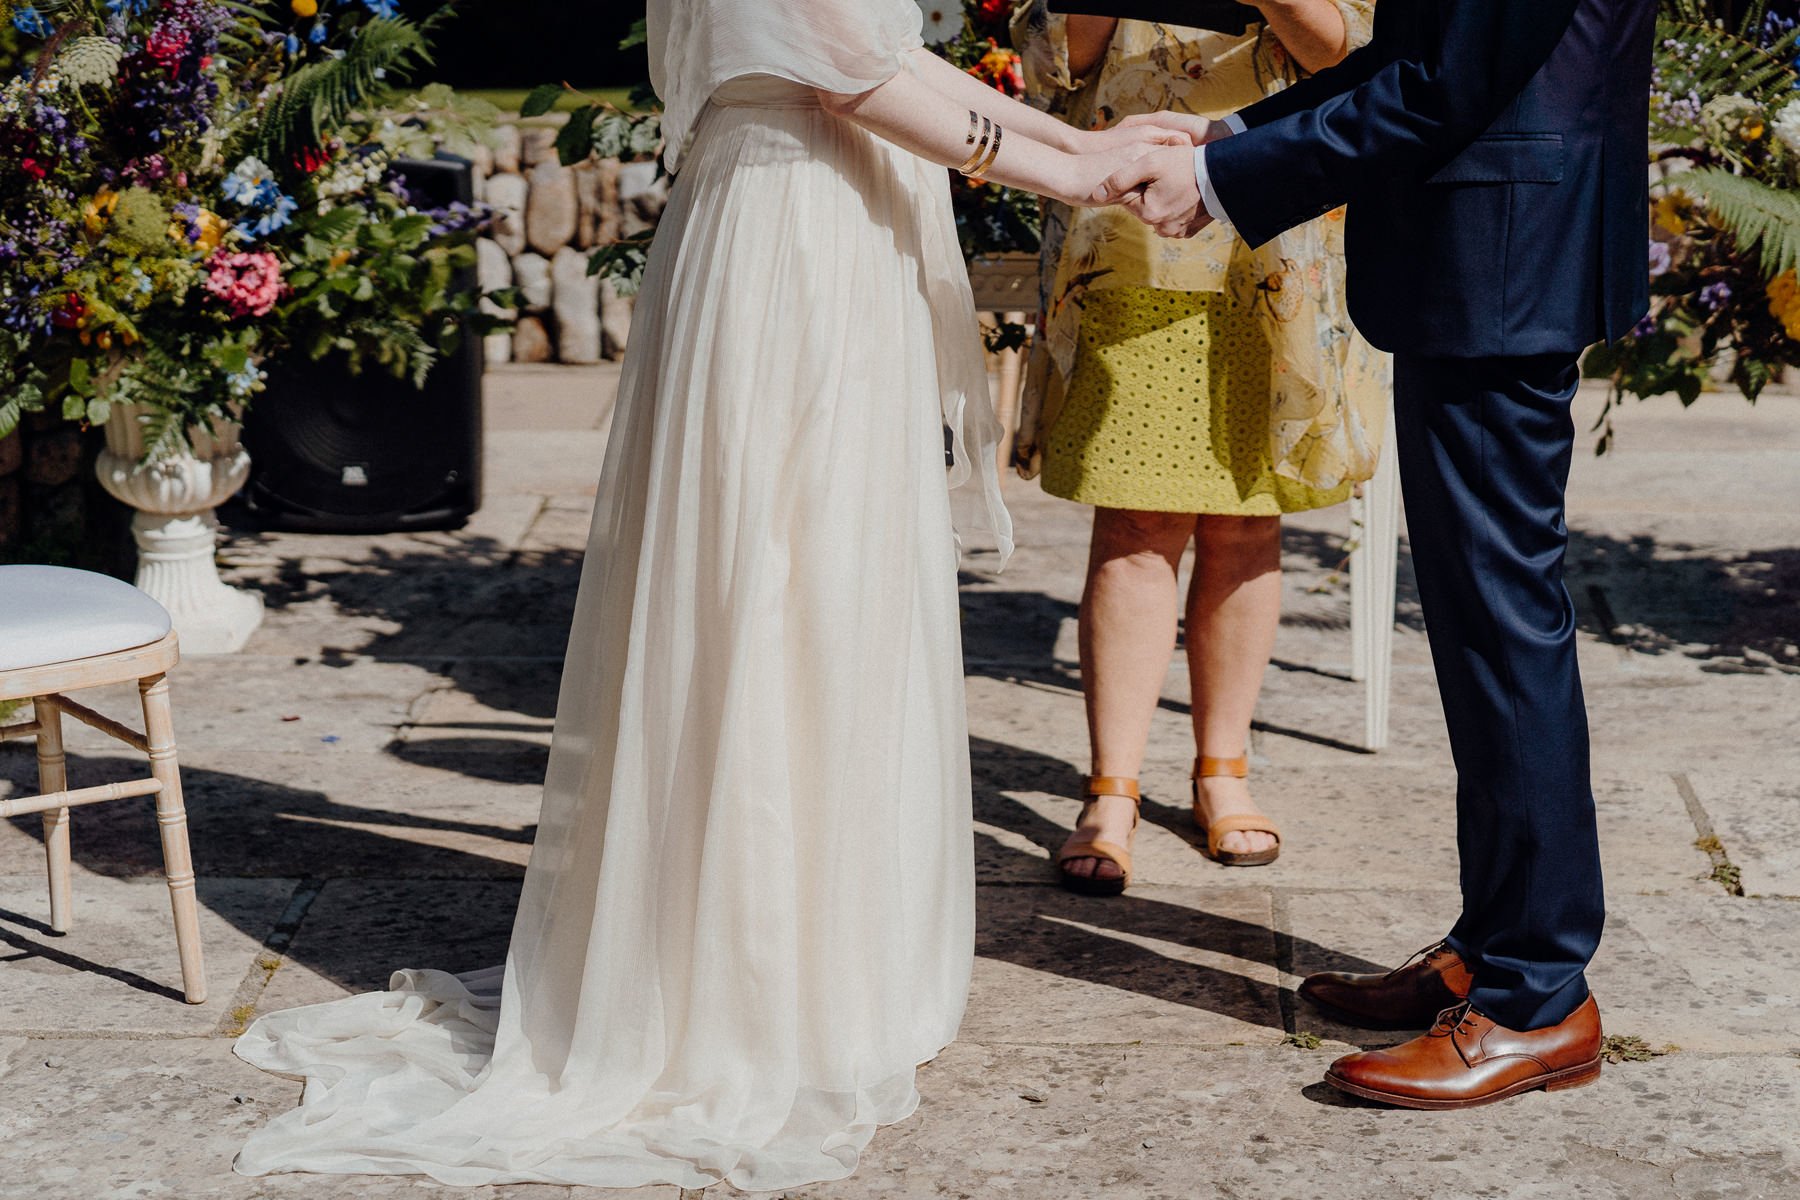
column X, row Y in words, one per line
column 336, row 453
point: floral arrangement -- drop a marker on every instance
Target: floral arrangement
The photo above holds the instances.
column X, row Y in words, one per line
column 192, row 189
column 1725, row 211
column 973, row 35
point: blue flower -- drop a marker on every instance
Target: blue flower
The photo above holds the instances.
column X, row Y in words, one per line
column 275, row 216
column 383, row 8
column 251, row 183
column 132, row 8
column 318, row 33
column 29, row 20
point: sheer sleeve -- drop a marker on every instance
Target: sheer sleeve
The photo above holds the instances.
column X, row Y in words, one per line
column 846, row 46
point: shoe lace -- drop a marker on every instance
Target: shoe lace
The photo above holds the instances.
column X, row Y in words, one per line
column 1428, row 953
column 1458, row 1018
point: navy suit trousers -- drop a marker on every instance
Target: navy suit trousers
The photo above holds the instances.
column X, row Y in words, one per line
column 1484, row 449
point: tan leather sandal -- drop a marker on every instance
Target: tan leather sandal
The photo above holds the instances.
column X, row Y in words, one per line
column 1085, row 846
column 1236, row 768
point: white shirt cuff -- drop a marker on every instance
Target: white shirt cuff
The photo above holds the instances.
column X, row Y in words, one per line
column 1208, row 196
column 1234, row 123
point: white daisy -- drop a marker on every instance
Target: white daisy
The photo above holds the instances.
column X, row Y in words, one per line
column 943, row 21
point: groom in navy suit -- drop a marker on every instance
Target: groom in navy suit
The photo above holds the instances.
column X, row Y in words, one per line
column 1494, row 157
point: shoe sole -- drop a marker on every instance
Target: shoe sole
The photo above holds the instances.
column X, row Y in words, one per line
column 1555, row 1081
column 1089, row 886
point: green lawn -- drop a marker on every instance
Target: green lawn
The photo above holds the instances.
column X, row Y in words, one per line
column 509, row 99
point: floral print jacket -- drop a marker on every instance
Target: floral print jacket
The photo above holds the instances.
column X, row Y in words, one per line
column 1328, row 387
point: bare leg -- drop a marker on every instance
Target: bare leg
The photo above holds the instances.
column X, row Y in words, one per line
column 1234, row 608
column 1128, row 612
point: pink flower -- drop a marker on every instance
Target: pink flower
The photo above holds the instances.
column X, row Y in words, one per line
column 248, row 284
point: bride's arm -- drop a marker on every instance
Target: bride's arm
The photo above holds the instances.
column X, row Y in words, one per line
column 926, row 110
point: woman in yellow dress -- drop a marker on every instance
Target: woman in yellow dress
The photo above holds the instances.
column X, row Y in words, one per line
column 1190, row 391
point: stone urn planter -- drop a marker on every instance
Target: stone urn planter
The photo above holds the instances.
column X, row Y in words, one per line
column 1005, row 283
column 175, row 529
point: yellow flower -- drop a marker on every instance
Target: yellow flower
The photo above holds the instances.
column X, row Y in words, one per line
column 1753, row 129
column 1670, row 216
column 339, row 259
column 99, row 211
column 211, row 231
column 1782, row 291
column 305, row 8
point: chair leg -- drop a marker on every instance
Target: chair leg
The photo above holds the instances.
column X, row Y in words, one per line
column 171, row 817
column 53, row 776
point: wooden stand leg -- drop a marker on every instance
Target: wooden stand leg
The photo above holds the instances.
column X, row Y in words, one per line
column 53, row 776
column 171, row 816
column 1372, row 583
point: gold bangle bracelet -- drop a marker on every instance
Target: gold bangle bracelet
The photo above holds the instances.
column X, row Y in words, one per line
column 981, row 147
column 974, row 122
column 992, row 154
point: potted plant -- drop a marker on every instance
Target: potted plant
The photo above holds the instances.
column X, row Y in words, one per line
column 190, row 190
column 1725, row 213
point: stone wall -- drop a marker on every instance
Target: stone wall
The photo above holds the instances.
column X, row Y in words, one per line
column 550, row 218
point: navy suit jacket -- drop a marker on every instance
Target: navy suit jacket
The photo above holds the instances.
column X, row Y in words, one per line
column 1494, row 154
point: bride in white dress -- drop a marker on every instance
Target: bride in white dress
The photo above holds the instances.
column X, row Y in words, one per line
column 750, row 909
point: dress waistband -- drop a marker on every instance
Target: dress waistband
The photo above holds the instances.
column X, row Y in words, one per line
column 764, row 91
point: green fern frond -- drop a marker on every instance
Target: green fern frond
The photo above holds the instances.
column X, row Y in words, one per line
column 1724, row 61
column 323, row 94
column 1756, row 214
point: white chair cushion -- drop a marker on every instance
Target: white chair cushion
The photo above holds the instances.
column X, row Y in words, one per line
column 52, row 615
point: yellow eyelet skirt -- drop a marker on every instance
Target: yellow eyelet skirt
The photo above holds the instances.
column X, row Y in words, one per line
column 1168, row 410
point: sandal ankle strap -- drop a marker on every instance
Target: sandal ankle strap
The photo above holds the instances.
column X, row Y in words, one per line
column 1236, row 768
column 1112, row 785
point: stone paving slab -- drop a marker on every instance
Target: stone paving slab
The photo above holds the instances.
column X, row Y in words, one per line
column 1097, row 1060
column 358, row 932
column 115, row 973
column 163, row 1120
column 1160, row 965
column 1169, row 1123
column 447, row 813
column 1756, row 817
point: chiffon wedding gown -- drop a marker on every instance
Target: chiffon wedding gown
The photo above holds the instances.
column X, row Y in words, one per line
column 750, row 909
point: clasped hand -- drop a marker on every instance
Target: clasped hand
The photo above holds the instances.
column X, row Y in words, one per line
column 1158, row 186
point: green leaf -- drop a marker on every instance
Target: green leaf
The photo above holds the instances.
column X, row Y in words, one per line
column 1758, row 216
column 575, row 141
column 542, row 99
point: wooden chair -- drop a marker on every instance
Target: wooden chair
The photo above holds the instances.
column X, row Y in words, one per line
column 62, row 631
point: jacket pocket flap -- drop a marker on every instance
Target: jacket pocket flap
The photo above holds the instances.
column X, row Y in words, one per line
column 1507, row 158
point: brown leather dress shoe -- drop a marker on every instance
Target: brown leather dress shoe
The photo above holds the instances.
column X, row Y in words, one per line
column 1408, row 997
column 1467, row 1060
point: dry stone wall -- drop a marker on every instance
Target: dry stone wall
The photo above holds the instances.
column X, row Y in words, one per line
column 549, row 219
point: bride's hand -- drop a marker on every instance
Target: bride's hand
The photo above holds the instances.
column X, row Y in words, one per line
column 1145, row 134
column 1085, row 174
column 1197, row 130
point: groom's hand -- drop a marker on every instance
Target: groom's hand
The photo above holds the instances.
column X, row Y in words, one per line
column 1161, row 190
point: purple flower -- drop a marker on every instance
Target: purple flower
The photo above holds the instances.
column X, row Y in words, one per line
column 1645, row 327
column 1660, row 259
column 1715, row 296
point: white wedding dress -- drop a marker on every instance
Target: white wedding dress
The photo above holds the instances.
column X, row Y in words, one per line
column 750, row 909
